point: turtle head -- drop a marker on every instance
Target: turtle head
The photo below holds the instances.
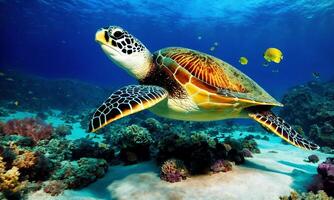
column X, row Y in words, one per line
column 125, row 50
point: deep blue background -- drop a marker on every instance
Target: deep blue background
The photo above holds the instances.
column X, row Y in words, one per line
column 55, row 39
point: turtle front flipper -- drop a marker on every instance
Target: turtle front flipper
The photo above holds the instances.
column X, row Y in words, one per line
column 278, row 126
column 126, row 101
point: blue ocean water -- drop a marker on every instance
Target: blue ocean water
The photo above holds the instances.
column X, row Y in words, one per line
column 55, row 39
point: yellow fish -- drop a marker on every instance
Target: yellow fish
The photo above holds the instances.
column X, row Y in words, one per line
column 16, row 103
column 212, row 48
column 243, row 60
column 273, row 55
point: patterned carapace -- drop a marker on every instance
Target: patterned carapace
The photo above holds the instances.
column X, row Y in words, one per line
column 205, row 68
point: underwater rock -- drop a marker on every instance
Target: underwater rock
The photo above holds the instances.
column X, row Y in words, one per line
column 311, row 107
column 173, row 170
column 236, row 156
column 313, row 158
column 78, row 174
column 30, row 127
column 88, row 148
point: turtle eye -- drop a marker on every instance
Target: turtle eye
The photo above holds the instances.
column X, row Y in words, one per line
column 118, row 34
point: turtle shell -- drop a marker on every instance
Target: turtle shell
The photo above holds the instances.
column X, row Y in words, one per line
column 212, row 75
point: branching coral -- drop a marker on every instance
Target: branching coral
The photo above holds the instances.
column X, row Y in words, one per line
column 27, row 160
column 173, row 171
column 9, row 179
column 34, row 128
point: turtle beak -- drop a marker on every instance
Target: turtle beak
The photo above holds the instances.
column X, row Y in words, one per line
column 102, row 37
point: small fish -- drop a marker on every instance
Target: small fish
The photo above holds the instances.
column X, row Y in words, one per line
column 199, row 37
column 16, row 103
column 2, row 74
column 30, row 92
column 215, row 44
column 273, row 55
column 212, row 48
column 9, row 79
column 316, row 75
column 275, row 70
column 243, row 60
column 265, row 64
column 103, row 145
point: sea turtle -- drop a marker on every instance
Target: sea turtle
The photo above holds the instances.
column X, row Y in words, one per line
column 184, row 84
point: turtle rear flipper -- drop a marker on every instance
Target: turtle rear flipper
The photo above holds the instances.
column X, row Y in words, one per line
column 278, row 126
column 126, row 101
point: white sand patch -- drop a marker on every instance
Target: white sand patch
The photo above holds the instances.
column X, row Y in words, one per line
column 241, row 183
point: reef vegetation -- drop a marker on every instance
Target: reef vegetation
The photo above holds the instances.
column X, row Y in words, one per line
column 37, row 155
column 32, row 154
column 311, row 108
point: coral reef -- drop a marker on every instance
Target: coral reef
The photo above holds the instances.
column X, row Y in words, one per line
column 134, row 142
column 88, row 148
column 198, row 151
column 77, row 174
column 221, row 166
column 33, row 128
column 173, row 170
column 311, row 107
column 62, row 131
column 55, row 188
column 9, row 180
column 320, row 195
column 325, row 178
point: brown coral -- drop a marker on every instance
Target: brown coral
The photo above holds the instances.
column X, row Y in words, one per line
column 9, row 180
column 26, row 160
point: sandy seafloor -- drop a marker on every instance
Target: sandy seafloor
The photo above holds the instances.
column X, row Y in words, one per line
column 266, row 176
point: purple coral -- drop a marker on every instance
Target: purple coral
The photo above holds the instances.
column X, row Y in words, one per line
column 221, row 166
column 325, row 178
column 173, row 171
column 247, row 153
